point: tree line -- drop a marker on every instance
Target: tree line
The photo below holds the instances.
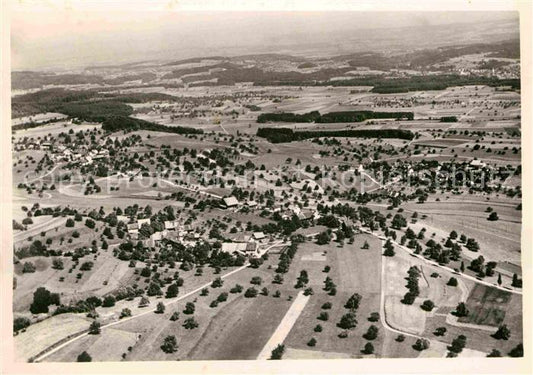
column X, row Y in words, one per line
column 332, row 117
column 282, row 135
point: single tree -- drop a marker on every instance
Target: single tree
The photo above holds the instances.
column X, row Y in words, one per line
column 175, row 316
column 369, row 348
column 278, row 351
column 494, row 353
column 189, row 308
column 371, row 333
column 347, row 321
column 190, row 323
column 170, row 344
column 503, row 333
column 440, row 331
column 461, row 310
column 84, row 357
column 94, row 328
column 160, row 308
column 427, row 305
column 421, row 344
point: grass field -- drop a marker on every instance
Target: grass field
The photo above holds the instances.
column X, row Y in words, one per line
column 46, row 333
column 487, row 306
column 354, row 270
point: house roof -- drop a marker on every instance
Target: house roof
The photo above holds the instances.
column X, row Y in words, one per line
column 231, row 247
column 140, row 222
column 240, row 237
column 259, row 235
column 230, row 201
column 170, row 224
column 251, row 246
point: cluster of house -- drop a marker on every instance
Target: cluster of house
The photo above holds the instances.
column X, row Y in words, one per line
column 61, row 152
column 174, row 230
column 244, row 243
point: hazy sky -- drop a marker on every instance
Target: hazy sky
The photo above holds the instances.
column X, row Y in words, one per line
column 59, row 37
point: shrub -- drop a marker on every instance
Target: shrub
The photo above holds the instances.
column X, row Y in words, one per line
column 175, row 316
column 189, row 308
column 311, row 342
column 20, row 323
column 494, row 353
column 427, row 305
column 190, row 323
column 374, row 317
column 109, row 301
column 86, row 266
column 369, row 348
column 347, row 321
column 277, row 353
column 400, row 338
column 324, row 316
column 28, row 267
column 84, row 357
column 503, row 333
column 170, row 344
column 250, row 293
column 452, row 281
column 236, row 289
column 421, row 344
column 371, row 333
column 94, row 328
column 160, row 308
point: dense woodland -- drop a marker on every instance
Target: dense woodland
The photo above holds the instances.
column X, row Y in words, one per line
column 332, row 117
column 282, row 135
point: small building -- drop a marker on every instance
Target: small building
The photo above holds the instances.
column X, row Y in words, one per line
column 477, row 164
column 133, row 228
column 171, row 224
column 258, row 236
column 242, row 237
column 229, row 202
column 248, row 249
column 140, row 222
column 46, row 146
column 251, row 204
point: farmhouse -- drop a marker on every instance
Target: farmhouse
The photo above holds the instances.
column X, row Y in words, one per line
column 229, row 202
column 248, row 249
column 133, row 228
column 477, row 164
column 140, row 222
column 307, row 215
column 259, row 236
column 251, row 204
column 171, row 224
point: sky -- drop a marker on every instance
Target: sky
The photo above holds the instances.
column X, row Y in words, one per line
column 63, row 36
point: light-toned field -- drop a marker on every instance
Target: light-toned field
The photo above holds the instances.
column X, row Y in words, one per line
column 407, row 318
column 229, row 331
column 108, row 347
column 46, row 333
column 353, row 270
column 291, row 353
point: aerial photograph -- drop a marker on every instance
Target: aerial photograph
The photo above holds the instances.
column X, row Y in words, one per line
column 265, row 186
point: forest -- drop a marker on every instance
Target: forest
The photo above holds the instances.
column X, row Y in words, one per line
column 332, row 117
column 282, row 135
